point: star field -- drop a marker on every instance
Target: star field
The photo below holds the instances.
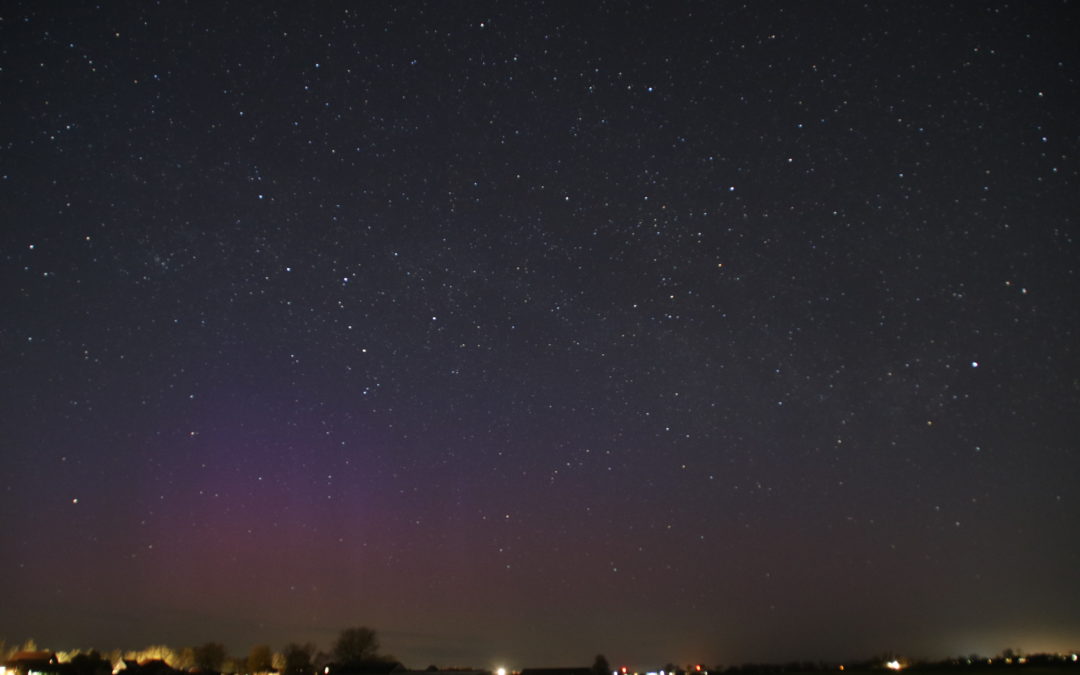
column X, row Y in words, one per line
column 526, row 331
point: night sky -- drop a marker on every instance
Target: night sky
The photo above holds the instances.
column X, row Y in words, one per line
column 528, row 331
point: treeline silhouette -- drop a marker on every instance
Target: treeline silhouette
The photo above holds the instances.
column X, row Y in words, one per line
column 355, row 649
column 1009, row 660
column 357, row 652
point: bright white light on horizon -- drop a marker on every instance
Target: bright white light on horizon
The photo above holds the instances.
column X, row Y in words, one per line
column 893, row 665
column 500, row 671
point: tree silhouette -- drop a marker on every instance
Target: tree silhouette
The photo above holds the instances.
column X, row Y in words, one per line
column 298, row 659
column 234, row 665
column 601, row 666
column 210, row 656
column 91, row 663
column 356, row 645
column 260, row 659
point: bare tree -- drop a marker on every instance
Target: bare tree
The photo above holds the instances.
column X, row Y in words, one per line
column 298, row 659
column 260, row 659
column 356, row 645
column 210, row 656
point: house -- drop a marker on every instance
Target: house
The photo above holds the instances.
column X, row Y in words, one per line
column 33, row 663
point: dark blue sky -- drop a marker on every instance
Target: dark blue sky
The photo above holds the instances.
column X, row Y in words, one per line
column 527, row 331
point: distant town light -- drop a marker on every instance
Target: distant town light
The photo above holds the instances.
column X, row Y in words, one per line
column 500, row 671
column 893, row 665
